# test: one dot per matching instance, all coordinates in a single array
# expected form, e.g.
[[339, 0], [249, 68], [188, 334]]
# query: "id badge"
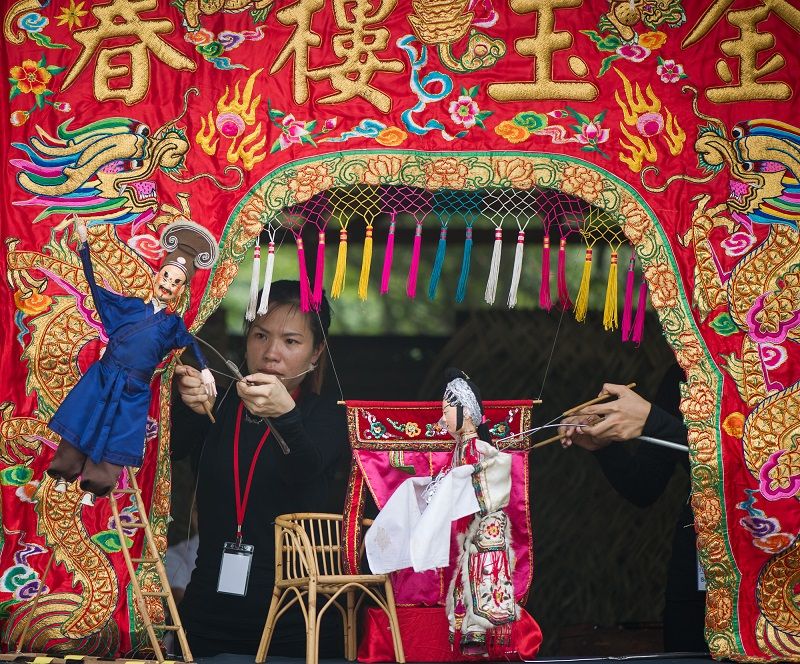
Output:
[[234, 571]]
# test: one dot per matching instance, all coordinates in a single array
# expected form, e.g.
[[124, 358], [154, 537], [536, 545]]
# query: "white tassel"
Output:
[[512, 293], [250, 314], [494, 268], [263, 304]]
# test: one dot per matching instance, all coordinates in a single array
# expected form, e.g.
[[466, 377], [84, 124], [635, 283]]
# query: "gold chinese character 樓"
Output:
[[747, 47], [120, 18], [541, 47], [356, 45]]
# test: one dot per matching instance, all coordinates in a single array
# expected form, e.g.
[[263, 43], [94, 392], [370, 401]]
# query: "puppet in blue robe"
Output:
[[102, 420]]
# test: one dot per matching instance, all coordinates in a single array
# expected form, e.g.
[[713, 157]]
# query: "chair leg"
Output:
[[393, 623], [269, 626], [350, 632], [312, 638]]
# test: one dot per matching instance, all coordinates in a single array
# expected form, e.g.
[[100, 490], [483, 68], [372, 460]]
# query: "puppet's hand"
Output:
[[189, 382], [80, 228], [208, 383]]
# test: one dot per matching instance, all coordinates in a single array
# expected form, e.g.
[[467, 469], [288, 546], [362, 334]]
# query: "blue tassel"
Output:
[[436, 273], [461, 291]]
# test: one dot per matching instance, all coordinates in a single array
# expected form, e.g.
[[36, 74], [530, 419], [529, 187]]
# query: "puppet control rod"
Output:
[[571, 411]]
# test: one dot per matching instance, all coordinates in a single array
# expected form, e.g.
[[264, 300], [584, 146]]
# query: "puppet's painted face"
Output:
[[449, 419], [169, 283], [281, 343]]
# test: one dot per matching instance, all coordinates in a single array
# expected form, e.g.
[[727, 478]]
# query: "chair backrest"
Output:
[[308, 545]]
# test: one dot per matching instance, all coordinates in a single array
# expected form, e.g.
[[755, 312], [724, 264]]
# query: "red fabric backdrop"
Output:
[[116, 108]]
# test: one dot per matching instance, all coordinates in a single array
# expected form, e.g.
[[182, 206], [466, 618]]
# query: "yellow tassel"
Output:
[[366, 262], [610, 309], [341, 265], [582, 303]]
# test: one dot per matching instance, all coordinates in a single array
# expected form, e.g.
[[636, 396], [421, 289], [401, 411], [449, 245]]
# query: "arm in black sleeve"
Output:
[[316, 433], [188, 429]]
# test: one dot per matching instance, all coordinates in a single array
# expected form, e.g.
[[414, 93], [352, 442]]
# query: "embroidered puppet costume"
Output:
[[414, 527], [102, 420]]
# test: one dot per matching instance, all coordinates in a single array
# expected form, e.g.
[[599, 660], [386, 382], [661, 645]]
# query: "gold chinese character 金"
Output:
[[747, 47]]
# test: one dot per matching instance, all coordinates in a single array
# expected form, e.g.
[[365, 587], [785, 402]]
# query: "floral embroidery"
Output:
[[733, 424], [380, 169], [295, 132], [446, 173], [663, 286], [616, 35], [582, 182], [587, 132], [669, 71], [32, 77], [515, 172], [738, 244], [464, 111], [309, 180], [72, 15], [33, 303]]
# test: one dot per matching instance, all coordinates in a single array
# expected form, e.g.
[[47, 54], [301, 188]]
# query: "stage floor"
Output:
[[663, 658]]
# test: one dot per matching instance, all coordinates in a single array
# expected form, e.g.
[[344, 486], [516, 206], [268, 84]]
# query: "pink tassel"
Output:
[[319, 273], [544, 291], [563, 294], [387, 258], [638, 324], [305, 288], [411, 284], [627, 311]]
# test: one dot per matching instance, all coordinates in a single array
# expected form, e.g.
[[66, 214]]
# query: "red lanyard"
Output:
[[241, 501]]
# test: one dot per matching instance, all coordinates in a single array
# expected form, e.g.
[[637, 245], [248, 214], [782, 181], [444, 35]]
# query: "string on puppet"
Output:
[[263, 303]]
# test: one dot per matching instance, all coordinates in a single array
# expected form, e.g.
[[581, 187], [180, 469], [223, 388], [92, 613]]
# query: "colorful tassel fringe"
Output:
[[461, 291], [366, 263], [263, 303], [563, 294], [494, 268], [252, 303], [627, 310], [319, 273], [515, 275], [582, 302], [641, 306], [411, 283], [610, 308], [341, 265], [544, 290], [305, 288], [438, 261], [387, 258]]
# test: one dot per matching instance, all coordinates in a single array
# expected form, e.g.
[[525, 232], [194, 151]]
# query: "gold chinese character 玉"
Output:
[[541, 47]]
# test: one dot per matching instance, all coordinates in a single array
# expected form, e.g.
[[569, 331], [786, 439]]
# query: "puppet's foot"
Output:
[[88, 499]]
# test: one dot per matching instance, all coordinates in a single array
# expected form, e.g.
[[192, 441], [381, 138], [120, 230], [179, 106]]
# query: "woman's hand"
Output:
[[192, 388], [620, 419], [265, 395]]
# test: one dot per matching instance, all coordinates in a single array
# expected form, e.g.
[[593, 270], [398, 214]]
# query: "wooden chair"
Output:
[[308, 564]]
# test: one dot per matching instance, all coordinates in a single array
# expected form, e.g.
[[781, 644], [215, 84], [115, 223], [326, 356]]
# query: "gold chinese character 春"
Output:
[[120, 18]]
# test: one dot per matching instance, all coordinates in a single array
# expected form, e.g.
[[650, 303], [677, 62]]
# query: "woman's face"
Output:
[[281, 343]]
